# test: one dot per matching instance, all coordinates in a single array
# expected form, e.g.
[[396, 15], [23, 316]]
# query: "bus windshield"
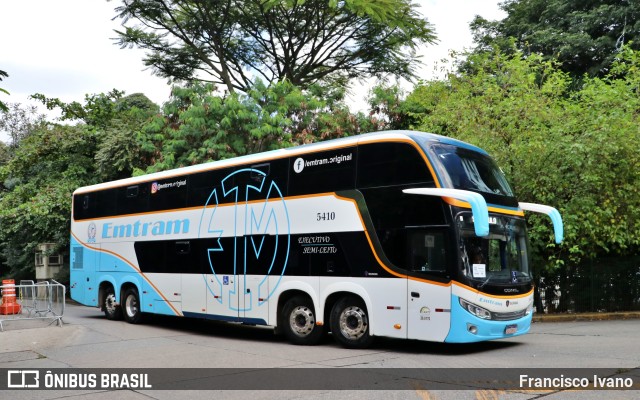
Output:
[[499, 258], [469, 170]]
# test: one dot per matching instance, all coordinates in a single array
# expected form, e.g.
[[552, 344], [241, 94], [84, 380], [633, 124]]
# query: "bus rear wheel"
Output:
[[299, 322], [112, 309], [131, 306], [350, 323]]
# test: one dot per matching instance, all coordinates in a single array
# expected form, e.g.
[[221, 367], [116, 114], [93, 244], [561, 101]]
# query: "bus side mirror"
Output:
[[558, 228], [478, 204]]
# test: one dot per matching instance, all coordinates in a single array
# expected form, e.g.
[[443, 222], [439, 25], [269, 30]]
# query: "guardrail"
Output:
[[33, 301]]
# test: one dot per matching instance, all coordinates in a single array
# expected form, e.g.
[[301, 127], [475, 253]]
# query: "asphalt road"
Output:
[[88, 340]]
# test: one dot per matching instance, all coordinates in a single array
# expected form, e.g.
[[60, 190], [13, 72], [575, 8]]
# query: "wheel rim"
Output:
[[110, 303], [302, 321], [353, 322], [131, 306]]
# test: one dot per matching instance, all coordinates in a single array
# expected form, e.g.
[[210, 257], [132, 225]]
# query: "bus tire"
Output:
[[131, 306], [112, 309], [350, 323], [299, 322]]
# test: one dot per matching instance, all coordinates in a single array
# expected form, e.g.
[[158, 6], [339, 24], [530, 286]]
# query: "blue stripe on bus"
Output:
[[226, 318], [487, 330], [152, 301]]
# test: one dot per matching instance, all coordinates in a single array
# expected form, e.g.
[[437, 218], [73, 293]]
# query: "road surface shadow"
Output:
[[232, 330]]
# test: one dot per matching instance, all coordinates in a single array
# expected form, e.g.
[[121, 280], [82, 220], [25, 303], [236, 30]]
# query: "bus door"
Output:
[[428, 297], [183, 254], [234, 291]]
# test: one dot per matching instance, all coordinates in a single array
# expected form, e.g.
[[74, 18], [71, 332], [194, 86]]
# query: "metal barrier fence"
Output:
[[32, 301]]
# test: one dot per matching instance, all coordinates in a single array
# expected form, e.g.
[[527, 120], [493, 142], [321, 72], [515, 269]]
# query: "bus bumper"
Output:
[[467, 328]]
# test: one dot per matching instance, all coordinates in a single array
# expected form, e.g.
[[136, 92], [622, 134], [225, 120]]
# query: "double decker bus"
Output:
[[399, 234]]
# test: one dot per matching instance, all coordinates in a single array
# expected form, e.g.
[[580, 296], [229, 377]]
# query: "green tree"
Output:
[[3, 106], [199, 125], [229, 43], [386, 108], [119, 151], [98, 109], [117, 121], [49, 163], [45, 169], [576, 151], [584, 36], [19, 121]]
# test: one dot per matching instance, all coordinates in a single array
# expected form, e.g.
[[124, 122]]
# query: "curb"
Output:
[[587, 317]]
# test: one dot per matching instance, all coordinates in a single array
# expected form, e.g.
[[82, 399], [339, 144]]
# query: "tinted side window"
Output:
[[426, 250], [106, 203], [85, 206], [133, 199], [95, 204], [385, 164], [326, 171], [397, 217], [202, 185], [262, 180], [390, 208]]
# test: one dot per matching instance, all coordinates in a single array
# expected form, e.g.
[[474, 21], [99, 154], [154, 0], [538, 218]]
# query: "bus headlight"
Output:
[[475, 310], [529, 309]]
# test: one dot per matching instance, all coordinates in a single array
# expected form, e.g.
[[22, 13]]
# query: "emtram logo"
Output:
[[91, 233]]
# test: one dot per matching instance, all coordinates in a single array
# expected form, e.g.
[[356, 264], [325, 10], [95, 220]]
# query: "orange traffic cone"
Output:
[[9, 304]]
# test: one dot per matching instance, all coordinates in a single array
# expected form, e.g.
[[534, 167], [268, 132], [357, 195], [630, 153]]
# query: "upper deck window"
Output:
[[469, 170], [391, 164]]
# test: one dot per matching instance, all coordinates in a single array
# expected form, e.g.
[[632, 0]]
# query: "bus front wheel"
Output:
[[131, 306], [350, 323], [299, 321], [112, 309]]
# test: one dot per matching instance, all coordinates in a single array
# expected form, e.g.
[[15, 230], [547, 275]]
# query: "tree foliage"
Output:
[[117, 120], [229, 43], [19, 121], [584, 36], [97, 110], [3, 106], [198, 125], [50, 161], [45, 169], [574, 150]]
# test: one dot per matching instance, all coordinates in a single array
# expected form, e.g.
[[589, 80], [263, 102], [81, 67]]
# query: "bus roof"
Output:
[[392, 135]]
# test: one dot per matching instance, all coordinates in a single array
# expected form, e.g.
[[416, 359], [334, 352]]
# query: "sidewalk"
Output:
[[586, 316]]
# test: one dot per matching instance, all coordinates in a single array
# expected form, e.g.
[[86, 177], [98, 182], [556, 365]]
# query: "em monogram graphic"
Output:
[[248, 218]]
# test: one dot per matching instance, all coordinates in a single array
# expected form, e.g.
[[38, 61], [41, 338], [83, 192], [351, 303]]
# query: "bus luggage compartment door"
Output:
[[429, 311]]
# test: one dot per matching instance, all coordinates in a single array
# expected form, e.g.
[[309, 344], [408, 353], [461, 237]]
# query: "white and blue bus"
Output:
[[399, 234]]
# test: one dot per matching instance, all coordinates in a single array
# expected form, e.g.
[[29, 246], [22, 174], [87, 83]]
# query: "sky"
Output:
[[65, 48]]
